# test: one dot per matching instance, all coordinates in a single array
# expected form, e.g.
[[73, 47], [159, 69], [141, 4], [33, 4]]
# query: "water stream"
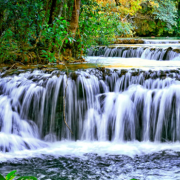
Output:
[[143, 52], [124, 115]]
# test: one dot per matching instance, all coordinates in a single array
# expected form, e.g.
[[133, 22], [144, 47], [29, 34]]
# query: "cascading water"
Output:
[[125, 122], [151, 53], [150, 41], [105, 105]]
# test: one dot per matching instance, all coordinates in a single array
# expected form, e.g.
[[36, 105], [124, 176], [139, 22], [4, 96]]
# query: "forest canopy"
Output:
[[52, 30]]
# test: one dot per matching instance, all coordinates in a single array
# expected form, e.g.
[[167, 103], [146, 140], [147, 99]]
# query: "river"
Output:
[[123, 107]]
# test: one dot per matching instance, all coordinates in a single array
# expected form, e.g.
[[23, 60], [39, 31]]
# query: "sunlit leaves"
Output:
[[148, 16], [156, 17]]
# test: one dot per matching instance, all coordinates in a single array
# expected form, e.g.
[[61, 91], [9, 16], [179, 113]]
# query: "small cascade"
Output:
[[149, 41], [101, 104], [150, 53]]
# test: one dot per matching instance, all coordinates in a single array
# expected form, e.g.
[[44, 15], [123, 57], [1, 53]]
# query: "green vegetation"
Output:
[[62, 30], [157, 19], [12, 175]]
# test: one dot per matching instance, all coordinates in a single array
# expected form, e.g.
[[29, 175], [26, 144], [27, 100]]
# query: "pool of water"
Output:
[[116, 62], [97, 160]]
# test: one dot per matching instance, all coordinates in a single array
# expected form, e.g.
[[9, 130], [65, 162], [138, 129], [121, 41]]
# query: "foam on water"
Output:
[[120, 119], [80, 148], [132, 113], [97, 119], [144, 52]]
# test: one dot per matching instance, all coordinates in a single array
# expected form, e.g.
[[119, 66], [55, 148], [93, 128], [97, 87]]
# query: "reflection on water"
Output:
[[116, 62]]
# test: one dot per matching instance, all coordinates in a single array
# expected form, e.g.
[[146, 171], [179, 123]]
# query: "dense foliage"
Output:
[[149, 17], [52, 30], [156, 18]]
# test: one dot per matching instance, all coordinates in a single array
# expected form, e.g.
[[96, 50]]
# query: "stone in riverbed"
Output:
[[129, 41], [123, 71]]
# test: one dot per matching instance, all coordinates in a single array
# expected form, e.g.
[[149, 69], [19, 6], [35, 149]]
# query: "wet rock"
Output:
[[153, 49], [74, 76], [47, 70], [150, 71], [108, 71], [101, 69], [135, 73], [129, 41], [124, 71], [146, 75], [174, 71], [116, 70], [40, 67], [171, 75], [177, 79], [162, 74], [140, 41], [10, 73], [176, 50], [154, 75], [167, 51], [166, 71]]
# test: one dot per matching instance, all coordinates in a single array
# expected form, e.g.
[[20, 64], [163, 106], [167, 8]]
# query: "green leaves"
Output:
[[12, 175], [156, 18], [2, 178], [99, 25], [50, 56]]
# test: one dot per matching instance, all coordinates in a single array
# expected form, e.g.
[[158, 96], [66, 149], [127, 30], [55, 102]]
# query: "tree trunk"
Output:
[[117, 2], [75, 17], [56, 10], [52, 11], [1, 22], [74, 23]]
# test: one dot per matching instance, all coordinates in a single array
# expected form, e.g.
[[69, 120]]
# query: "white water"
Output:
[[118, 63], [131, 112], [144, 52], [80, 148], [156, 41], [117, 106]]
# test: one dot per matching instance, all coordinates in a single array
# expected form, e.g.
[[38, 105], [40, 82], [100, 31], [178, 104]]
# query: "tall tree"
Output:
[[75, 17], [73, 26], [52, 11]]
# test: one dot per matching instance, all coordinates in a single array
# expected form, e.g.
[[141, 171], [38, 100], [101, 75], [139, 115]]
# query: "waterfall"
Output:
[[101, 105], [148, 41], [137, 52]]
